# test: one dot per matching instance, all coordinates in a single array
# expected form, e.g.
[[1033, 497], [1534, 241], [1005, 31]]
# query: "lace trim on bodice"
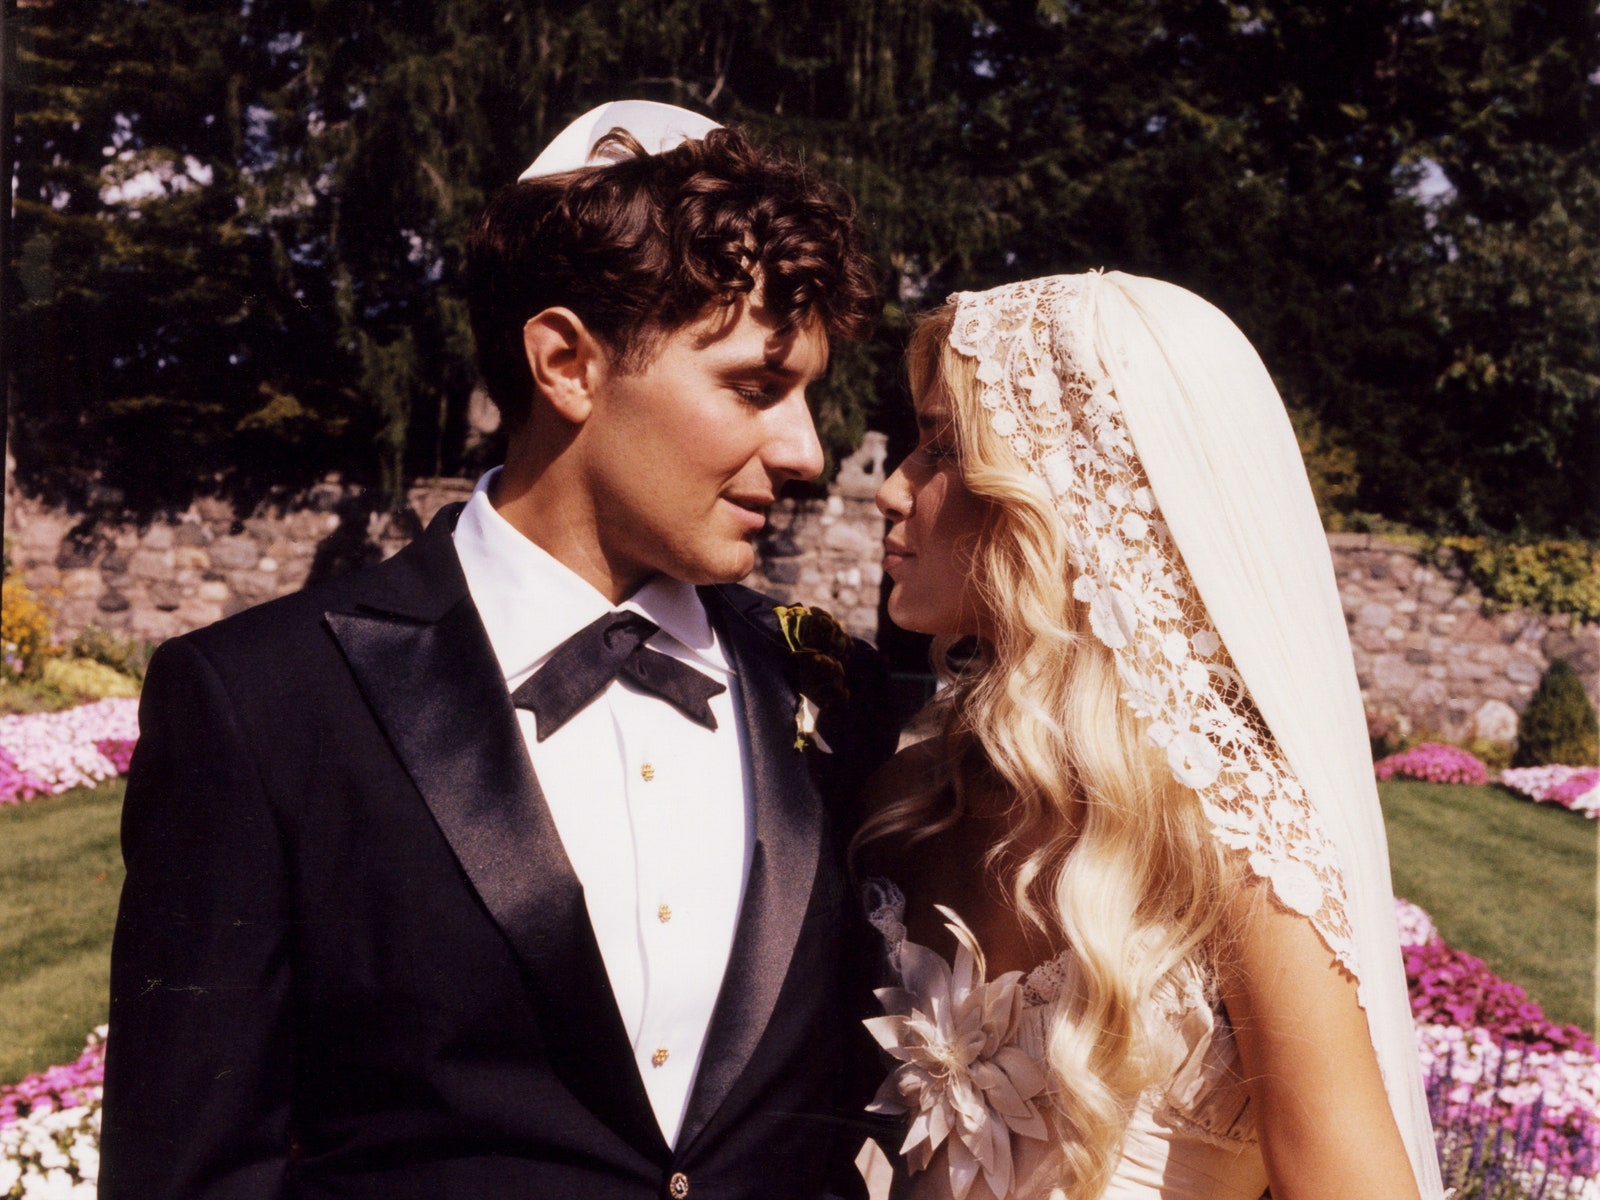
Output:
[[886, 910], [1201, 1096]]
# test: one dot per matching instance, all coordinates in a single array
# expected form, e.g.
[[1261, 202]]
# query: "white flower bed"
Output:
[[52, 1155], [1577, 788], [53, 752]]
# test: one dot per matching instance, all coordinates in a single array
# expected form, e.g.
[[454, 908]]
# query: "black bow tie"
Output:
[[584, 664]]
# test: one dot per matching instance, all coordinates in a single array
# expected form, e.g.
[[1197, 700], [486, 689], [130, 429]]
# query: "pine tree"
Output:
[[283, 297]]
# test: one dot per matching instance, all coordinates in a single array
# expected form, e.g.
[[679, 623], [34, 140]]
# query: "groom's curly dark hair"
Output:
[[642, 246]]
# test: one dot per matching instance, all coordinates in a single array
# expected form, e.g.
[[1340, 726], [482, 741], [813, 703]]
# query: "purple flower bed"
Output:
[[1433, 762], [1577, 788], [1511, 1092]]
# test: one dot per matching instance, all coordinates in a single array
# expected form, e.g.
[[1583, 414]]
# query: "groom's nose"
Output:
[[792, 450]]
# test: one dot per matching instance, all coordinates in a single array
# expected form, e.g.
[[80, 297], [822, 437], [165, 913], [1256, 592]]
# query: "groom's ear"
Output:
[[566, 360]]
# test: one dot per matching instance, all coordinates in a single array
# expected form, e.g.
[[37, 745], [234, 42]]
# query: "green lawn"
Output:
[[1509, 881], [60, 875]]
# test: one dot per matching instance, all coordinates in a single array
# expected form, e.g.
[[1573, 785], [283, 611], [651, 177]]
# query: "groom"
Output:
[[512, 866]]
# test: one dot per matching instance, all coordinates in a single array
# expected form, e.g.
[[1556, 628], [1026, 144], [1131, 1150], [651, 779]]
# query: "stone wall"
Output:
[[829, 553], [171, 576], [1426, 652]]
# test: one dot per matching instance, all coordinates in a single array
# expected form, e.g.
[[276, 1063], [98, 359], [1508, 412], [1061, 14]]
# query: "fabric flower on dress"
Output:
[[962, 1078]]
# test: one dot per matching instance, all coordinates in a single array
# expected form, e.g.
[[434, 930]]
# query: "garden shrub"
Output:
[[1388, 734], [125, 655], [27, 631], [1552, 577], [1330, 464], [1559, 725], [90, 679], [1493, 754], [19, 696]]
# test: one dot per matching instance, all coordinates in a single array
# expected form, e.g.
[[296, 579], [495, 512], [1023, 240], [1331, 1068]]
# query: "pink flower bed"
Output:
[[58, 1088], [1577, 788], [1433, 762], [16, 785], [48, 753], [1416, 926], [1496, 1065], [117, 751]]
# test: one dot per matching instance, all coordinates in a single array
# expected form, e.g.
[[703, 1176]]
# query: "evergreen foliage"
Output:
[[237, 230], [1559, 725]]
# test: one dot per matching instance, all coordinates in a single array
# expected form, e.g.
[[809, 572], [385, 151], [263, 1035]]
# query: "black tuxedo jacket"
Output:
[[352, 959]]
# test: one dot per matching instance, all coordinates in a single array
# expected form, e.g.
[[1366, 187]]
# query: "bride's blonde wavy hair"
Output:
[[1102, 851]]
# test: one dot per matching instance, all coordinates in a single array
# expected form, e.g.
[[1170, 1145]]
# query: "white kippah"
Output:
[[656, 127]]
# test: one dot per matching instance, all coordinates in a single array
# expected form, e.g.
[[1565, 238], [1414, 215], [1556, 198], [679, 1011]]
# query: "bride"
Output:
[[1136, 887]]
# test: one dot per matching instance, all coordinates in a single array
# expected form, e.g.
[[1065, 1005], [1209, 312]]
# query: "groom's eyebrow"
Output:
[[772, 365], [776, 367], [774, 372]]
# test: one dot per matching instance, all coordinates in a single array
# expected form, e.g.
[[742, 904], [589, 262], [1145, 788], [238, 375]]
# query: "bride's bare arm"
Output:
[[1327, 1131]]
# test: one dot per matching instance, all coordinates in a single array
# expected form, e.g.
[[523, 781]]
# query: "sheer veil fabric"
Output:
[[1158, 433]]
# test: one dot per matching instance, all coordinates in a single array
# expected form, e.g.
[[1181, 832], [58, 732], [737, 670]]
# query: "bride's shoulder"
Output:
[[916, 770]]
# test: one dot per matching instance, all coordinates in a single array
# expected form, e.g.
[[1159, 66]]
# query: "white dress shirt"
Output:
[[653, 809]]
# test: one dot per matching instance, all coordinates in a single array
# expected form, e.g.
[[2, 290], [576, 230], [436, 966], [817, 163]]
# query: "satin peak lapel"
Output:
[[788, 840], [434, 685]]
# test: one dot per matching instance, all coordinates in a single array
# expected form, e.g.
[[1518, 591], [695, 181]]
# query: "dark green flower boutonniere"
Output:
[[819, 649]]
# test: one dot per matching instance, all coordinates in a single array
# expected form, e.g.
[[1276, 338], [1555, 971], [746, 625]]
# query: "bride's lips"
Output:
[[894, 555]]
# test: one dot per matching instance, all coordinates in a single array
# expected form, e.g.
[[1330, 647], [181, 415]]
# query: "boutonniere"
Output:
[[819, 648]]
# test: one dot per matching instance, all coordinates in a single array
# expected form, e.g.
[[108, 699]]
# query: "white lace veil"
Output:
[[1199, 553]]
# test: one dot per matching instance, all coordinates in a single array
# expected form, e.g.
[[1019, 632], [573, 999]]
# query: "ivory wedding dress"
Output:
[[1191, 1138]]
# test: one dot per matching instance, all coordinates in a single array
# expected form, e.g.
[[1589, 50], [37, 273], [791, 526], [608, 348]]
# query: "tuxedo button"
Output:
[[647, 772], [659, 1058], [664, 913], [678, 1186]]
